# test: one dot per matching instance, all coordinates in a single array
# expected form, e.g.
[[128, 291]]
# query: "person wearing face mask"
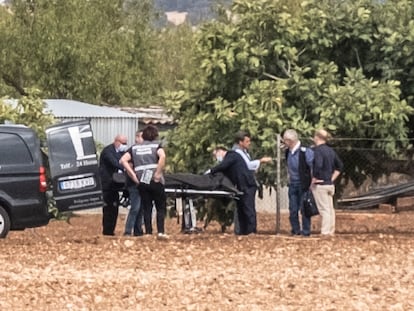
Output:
[[108, 165], [232, 165]]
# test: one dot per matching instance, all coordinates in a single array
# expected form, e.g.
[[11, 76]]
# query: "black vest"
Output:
[[144, 157], [305, 173]]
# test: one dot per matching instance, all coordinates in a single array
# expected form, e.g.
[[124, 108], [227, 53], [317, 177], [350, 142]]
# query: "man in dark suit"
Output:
[[235, 168], [108, 165]]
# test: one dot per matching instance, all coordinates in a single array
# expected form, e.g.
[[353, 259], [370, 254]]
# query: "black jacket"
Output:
[[109, 164], [325, 163], [235, 168], [305, 173]]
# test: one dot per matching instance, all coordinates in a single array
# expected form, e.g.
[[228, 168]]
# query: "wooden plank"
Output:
[[386, 208], [405, 204]]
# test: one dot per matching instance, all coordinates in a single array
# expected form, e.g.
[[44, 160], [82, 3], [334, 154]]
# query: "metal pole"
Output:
[[278, 187]]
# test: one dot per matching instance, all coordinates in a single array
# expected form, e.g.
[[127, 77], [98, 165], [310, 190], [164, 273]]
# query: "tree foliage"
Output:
[[96, 51], [274, 65], [174, 55], [28, 110]]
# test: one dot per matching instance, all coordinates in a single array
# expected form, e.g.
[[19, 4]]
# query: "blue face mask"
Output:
[[219, 158], [122, 148]]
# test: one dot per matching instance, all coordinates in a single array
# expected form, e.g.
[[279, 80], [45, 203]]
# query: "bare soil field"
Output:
[[368, 265]]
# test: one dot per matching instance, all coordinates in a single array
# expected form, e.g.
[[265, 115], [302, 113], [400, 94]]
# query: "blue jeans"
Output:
[[134, 219], [295, 205]]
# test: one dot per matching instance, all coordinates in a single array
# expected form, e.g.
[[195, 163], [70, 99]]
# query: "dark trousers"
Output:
[[246, 211], [295, 193], [154, 192], [110, 212]]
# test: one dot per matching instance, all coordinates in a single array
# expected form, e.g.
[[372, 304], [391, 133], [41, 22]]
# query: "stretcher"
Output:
[[185, 188]]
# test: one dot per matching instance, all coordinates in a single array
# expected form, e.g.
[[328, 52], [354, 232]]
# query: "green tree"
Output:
[[174, 55], [96, 51], [29, 110]]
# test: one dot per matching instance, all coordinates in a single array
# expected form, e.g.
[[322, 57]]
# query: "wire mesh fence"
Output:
[[371, 175]]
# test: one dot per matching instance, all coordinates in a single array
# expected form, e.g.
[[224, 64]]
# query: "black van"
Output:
[[23, 182], [73, 167]]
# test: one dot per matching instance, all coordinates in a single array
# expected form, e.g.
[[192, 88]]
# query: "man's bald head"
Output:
[[120, 139], [321, 136]]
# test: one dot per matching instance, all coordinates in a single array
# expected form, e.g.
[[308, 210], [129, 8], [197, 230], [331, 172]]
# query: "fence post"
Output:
[[278, 188]]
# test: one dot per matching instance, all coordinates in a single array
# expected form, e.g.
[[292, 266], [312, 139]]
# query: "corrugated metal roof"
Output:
[[76, 109], [150, 115]]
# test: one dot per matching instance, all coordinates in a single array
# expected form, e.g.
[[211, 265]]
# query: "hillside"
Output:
[[198, 10]]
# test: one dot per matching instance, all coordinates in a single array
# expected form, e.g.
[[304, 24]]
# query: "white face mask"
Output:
[[122, 148], [219, 158]]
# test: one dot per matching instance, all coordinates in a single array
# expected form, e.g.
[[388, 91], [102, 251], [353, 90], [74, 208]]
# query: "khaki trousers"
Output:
[[323, 195]]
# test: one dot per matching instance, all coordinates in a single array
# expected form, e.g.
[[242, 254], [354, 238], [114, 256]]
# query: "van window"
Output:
[[13, 150]]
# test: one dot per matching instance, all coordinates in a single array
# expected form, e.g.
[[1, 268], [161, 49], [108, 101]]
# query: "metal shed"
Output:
[[106, 122], [154, 115]]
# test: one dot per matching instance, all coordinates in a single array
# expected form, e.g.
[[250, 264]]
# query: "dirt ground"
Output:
[[368, 265]]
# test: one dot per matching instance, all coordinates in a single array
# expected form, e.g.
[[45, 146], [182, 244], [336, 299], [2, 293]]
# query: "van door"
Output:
[[74, 166]]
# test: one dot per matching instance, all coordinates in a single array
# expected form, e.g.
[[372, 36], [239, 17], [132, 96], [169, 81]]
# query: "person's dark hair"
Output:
[[150, 133], [240, 135]]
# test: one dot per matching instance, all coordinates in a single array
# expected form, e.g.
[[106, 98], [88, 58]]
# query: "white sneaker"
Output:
[[163, 236]]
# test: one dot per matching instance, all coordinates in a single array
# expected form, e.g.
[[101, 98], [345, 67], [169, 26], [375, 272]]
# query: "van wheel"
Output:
[[4, 223]]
